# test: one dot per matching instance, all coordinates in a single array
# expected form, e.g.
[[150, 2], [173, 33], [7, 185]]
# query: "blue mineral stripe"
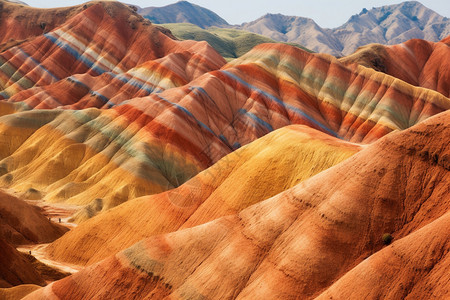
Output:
[[275, 99], [256, 118]]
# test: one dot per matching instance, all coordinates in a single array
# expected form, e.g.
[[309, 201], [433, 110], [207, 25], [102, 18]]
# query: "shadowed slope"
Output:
[[21, 223], [151, 144], [258, 171], [417, 62], [15, 269], [295, 244], [17, 292]]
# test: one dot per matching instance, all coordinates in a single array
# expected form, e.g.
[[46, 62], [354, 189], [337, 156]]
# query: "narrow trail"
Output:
[[59, 213], [38, 251]]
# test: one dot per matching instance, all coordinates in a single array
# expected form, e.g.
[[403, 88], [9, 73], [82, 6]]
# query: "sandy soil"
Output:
[[38, 251], [57, 211]]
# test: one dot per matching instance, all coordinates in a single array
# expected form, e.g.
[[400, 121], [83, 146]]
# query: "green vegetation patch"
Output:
[[230, 43]]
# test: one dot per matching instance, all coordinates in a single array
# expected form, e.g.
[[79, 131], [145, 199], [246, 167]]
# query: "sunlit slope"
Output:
[[150, 144], [82, 91], [415, 267], [418, 62], [258, 171], [299, 242], [105, 38], [19, 23]]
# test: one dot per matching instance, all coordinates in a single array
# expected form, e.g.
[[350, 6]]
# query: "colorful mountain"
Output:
[[19, 23], [279, 174], [417, 62], [298, 243], [253, 173], [150, 144], [83, 46]]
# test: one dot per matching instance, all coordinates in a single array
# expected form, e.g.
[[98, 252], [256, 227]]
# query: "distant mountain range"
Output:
[[182, 12], [391, 24]]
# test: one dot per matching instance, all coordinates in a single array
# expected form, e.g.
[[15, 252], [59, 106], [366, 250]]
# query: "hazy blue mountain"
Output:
[[390, 24], [182, 12]]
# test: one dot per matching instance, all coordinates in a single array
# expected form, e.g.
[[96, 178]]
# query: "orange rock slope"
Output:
[[146, 145], [20, 22], [300, 242], [418, 62], [273, 176], [15, 269], [260, 170], [17, 292], [21, 223]]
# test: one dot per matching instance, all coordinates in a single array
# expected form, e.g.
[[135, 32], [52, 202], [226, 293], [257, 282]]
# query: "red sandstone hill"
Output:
[[151, 144], [418, 62], [19, 22], [247, 175], [253, 173], [139, 113], [101, 37], [302, 241]]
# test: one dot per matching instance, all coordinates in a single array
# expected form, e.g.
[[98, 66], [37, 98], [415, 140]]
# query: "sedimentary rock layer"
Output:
[[154, 143], [301, 241], [260, 170]]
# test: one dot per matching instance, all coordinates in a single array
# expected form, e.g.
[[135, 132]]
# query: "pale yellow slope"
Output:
[[251, 174]]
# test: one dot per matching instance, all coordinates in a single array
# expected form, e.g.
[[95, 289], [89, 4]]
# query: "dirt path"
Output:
[[38, 251], [57, 212]]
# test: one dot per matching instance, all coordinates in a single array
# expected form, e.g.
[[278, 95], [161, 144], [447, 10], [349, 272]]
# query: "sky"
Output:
[[326, 13]]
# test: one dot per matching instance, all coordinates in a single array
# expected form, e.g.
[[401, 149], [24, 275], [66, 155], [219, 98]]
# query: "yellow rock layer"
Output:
[[249, 175]]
